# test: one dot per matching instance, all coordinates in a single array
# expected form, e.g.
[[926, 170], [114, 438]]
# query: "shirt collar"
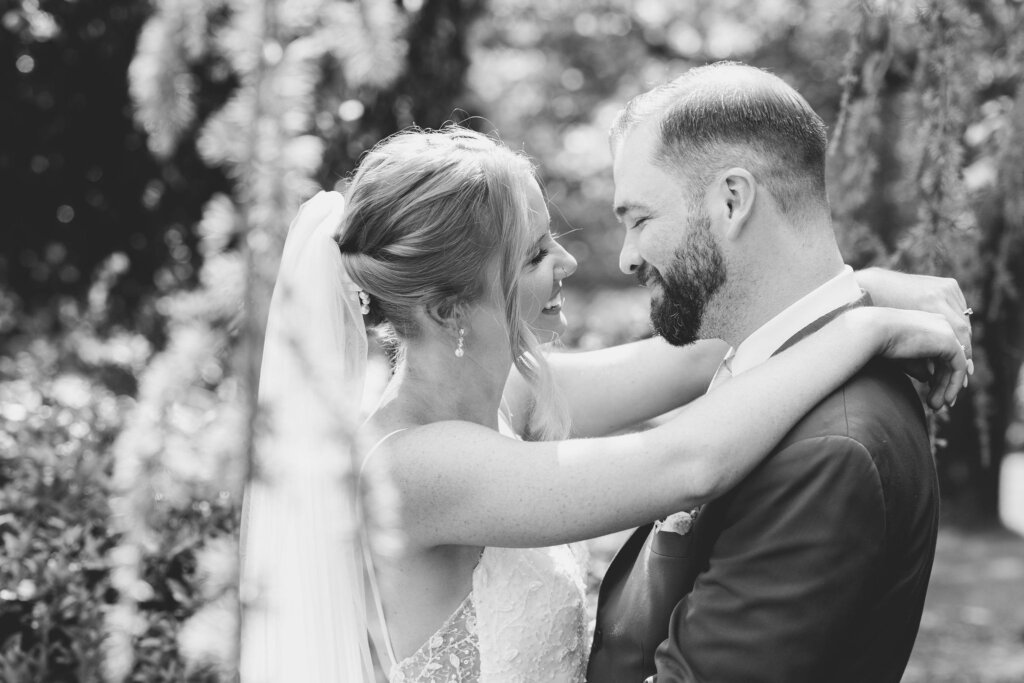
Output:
[[766, 340]]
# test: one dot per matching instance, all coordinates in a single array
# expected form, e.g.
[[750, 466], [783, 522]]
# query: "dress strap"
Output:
[[373, 449], [371, 573], [371, 577]]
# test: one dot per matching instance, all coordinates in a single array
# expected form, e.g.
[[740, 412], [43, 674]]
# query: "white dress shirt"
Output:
[[766, 340]]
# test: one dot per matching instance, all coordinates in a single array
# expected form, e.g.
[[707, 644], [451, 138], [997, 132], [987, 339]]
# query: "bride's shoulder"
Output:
[[396, 443]]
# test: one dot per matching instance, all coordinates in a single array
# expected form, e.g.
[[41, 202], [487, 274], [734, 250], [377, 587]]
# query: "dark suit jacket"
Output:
[[814, 568]]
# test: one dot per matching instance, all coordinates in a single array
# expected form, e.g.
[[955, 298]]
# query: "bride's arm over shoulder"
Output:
[[610, 389], [461, 483], [941, 295]]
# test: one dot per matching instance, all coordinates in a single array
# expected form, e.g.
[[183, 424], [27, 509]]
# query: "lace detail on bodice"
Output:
[[451, 655], [525, 621], [532, 615]]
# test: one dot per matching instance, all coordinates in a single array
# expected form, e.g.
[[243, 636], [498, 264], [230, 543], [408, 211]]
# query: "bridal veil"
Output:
[[304, 607]]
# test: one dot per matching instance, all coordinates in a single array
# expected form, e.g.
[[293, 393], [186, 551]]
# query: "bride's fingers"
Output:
[[948, 379], [930, 338], [938, 385], [957, 379], [918, 369]]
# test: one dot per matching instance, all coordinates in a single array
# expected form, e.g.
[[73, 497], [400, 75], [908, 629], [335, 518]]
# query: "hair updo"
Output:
[[427, 215]]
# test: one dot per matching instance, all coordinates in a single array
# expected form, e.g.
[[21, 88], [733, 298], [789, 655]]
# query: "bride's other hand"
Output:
[[941, 295], [909, 335]]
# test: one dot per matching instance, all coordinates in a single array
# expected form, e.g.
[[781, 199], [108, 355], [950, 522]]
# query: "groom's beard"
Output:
[[688, 283]]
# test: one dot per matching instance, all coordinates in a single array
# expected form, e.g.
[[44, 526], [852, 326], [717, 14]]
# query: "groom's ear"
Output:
[[737, 191]]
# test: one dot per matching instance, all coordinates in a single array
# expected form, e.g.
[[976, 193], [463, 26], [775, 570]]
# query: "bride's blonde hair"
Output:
[[428, 212]]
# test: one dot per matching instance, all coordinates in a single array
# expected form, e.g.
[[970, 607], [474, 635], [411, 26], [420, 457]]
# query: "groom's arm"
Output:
[[799, 544]]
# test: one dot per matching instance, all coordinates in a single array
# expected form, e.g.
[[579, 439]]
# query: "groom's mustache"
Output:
[[645, 274]]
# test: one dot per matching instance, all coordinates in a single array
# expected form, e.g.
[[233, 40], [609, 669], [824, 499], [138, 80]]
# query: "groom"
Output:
[[815, 567]]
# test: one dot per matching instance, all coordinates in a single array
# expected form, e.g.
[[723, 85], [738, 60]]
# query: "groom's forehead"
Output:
[[636, 191], [641, 141], [637, 176]]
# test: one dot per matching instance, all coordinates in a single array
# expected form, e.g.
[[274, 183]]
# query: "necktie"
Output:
[[681, 522]]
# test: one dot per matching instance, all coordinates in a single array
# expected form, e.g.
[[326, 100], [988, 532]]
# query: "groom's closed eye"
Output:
[[624, 211]]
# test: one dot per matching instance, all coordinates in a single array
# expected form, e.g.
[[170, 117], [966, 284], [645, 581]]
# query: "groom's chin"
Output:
[[667, 325], [677, 337]]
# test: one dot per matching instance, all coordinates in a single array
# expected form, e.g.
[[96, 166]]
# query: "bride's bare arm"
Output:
[[460, 483], [610, 389]]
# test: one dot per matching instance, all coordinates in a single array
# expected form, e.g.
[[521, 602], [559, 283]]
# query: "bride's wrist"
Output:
[[872, 280], [872, 325]]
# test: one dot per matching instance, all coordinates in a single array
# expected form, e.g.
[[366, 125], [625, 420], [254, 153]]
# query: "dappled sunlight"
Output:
[[163, 148]]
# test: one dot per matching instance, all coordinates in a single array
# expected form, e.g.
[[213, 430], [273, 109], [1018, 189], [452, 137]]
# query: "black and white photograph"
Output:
[[512, 341]]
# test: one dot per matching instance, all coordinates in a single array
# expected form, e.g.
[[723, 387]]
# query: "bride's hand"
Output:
[[940, 295], [916, 335]]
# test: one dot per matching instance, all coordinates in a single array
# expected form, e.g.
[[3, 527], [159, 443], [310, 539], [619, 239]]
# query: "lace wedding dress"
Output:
[[524, 621]]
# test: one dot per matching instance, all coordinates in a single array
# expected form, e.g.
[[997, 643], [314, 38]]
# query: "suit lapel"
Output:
[[624, 559]]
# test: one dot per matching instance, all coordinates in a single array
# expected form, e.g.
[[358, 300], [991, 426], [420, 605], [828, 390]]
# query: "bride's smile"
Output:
[[547, 264]]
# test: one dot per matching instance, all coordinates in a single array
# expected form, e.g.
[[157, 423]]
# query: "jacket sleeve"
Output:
[[800, 539]]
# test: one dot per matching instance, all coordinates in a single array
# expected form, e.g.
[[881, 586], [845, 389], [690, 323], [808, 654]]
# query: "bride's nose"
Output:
[[566, 265]]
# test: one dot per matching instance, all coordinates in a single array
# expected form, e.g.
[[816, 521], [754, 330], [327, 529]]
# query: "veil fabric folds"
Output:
[[302, 586]]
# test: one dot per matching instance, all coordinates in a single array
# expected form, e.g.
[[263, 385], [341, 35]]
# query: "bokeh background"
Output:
[[152, 153]]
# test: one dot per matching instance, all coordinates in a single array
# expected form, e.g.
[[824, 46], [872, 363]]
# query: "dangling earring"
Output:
[[364, 299], [460, 350]]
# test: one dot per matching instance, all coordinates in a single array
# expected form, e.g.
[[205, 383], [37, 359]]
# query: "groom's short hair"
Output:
[[729, 114]]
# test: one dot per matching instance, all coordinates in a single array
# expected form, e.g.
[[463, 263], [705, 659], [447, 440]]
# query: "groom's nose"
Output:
[[629, 257]]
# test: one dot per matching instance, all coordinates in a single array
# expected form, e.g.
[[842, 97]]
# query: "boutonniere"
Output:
[[679, 523]]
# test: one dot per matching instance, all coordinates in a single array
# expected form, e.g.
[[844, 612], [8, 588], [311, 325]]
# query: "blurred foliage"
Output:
[[155, 151], [64, 398], [79, 181], [928, 177], [187, 438], [56, 426]]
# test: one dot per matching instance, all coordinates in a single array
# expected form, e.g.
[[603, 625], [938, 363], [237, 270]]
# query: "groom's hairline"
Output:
[[658, 106]]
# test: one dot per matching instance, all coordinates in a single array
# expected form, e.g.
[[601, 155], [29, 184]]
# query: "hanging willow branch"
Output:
[[959, 55], [947, 227], [853, 155], [187, 442]]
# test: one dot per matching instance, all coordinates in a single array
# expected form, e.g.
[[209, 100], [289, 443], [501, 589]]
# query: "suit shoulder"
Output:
[[869, 408]]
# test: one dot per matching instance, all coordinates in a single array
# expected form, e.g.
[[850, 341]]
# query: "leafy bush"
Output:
[[90, 589], [56, 427]]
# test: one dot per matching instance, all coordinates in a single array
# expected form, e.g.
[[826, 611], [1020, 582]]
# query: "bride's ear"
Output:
[[448, 315]]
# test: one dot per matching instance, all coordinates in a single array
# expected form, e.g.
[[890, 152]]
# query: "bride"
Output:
[[469, 482]]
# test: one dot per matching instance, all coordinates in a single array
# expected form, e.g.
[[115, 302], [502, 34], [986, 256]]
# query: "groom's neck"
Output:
[[751, 299]]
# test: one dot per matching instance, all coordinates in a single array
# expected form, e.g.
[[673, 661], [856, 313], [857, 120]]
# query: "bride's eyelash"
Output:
[[539, 257]]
